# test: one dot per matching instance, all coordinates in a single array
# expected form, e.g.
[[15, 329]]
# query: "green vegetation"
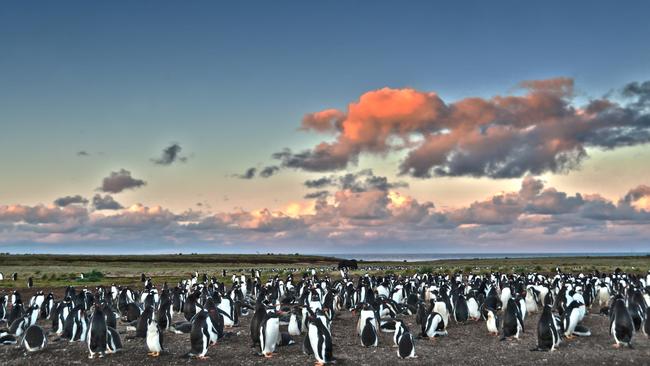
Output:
[[63, 270]]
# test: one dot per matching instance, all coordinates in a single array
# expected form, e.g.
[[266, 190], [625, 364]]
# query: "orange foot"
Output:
[[268, 355], [203, 357], [616, 345]]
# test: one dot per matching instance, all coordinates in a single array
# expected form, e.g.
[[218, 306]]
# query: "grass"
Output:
[[63, 270]]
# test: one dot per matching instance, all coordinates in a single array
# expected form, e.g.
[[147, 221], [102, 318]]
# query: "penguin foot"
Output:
[[268, 355], [202, 357], [616, 345]]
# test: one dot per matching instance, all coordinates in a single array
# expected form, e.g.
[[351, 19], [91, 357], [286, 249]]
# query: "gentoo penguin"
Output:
[[621, 324], [512, 322], [113, 341], [200, 335], [14, 276], [154, 338], [30, 282], [143, 322], [256, 321], [571, 319], [461, 311], [369, 336], [35, 338], [646, 325], [404, 341], [269, 334], [294, 327], [493, 322], [473, 308], [548, 335], [97, 334], [532, 300], [433, 326], [320, 337], [3, 308]]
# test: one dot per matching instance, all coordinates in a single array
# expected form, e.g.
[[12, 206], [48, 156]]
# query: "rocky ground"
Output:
[[467, 344]]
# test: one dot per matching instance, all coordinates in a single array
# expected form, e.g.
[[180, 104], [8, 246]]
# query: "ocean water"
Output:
[[418, 257]]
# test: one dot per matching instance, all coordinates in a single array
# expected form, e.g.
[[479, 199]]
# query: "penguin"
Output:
[[433, 326], [97, 334], [461, 310], [320, 337], [493, 322], [548, 335], [143, 322], [199, 336], [30, 282], [35, 338], [369, 336], [473, 311], [646, 324], [294, 327], [14, 276], [621, 325], [403, 340], [269, 334], [164, 315], [7, 339], [3, 308], [571, 318], [512, 322], [154, 338], [256, 321], [113, 341]]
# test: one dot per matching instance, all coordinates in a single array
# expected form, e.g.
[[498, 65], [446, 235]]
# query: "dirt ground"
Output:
[[467, 344]]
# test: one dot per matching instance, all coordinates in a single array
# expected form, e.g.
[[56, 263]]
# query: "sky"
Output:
[[324, 127]]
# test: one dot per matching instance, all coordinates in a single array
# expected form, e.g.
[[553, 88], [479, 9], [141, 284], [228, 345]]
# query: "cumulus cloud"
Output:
[[170, 155], [118, 181], [106, 203], [69, 200], [539, 131]]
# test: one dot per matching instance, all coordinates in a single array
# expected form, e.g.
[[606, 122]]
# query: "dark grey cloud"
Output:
[[317, 195], [83, 153], [106, 203], [170, 155], [269, 171], [118, 181], [68, 200], [248, 174], [361, 181], [321, 159]]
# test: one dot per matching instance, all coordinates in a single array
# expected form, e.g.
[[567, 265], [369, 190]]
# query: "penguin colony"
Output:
[[208, 309]]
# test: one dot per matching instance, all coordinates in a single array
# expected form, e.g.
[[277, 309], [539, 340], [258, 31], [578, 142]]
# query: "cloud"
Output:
[[106, 203], [269, 171], [357, 209], [82, 153], [317, 195], [539, 131], [170, 155], [361, 181], [68, 200], [118, 181], [248, 174]]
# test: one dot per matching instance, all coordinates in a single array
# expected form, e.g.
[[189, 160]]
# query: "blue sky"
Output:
[[231, 82]]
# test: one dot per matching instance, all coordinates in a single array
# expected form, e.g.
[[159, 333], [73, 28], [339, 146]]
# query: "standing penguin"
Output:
[[269, 334], [30, 282], [34, 339], [621, 324], [369, 336], [461, 310], [294, 327], [404, 341], [97, 334], [321, 339], [512, 322], [113, 341], [199, 336], [154, 338], [493, 322], [548, 335]]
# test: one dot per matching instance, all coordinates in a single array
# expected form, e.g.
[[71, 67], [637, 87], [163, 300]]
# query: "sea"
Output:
[[419, 257]]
